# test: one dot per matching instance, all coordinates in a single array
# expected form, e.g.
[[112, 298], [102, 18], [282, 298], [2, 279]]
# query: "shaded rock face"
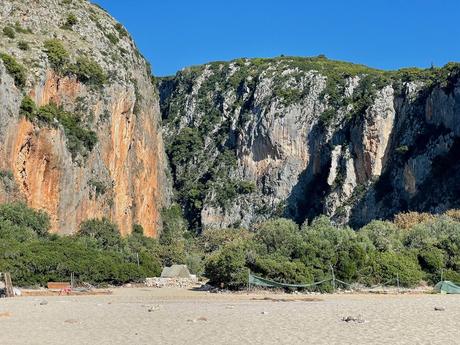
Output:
[[310, 136], [123, 175]]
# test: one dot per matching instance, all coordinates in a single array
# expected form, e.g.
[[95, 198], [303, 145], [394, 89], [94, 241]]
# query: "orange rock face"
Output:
[[107, 88], [127, 158], [36, 168]]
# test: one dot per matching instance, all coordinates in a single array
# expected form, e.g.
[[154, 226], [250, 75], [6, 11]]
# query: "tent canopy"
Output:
[[447, 287], [176, 271]]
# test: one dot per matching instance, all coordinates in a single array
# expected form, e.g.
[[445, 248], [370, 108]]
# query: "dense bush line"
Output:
[[415, 247], [96, 254]]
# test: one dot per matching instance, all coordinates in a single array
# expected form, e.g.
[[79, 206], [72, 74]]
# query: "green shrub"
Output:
[[246, 187], [19, 29], [28, 108], [57, 54], [88, 71], [70, 21], [185, 146], [48, 112], [212, 240], [283, 270], [112, 38], [384, 236], [121, 30], [9, 32], [279, 236], [23, 45], [23, 216], [99, 187], [228, 266], [172, 237], [402, 150], [80, 140], [388, 266], [16, 70], [103, 231]]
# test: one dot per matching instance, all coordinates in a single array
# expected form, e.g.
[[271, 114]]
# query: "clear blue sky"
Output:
[[386, 34]]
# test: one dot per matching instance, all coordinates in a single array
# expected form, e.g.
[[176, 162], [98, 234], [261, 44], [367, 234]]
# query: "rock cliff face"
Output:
[[79, 117], [297, 137]]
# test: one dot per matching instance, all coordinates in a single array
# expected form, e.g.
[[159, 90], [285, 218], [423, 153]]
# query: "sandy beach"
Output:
[[175, 316]]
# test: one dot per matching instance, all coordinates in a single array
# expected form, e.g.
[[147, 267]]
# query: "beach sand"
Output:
[[175, 316]]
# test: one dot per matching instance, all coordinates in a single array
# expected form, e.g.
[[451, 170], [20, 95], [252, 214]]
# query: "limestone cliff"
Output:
[[297, 137], [79, 117]]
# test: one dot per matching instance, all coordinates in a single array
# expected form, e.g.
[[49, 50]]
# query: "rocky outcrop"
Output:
[[46, 164], [298, 137]]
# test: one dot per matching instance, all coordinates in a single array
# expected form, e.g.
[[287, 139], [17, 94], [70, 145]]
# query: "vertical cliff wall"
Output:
[[298, 137], [79, 117]]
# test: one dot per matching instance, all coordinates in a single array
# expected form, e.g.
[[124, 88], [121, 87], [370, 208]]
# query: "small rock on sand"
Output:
[[358, 319], [201, 318], [153, 308], [43, 302], [264, 312], [439, 308], [71, 321]]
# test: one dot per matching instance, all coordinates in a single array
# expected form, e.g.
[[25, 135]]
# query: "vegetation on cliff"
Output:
[[80, 139], [233, 123]]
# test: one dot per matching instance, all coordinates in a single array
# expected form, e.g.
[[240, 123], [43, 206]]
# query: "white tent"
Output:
[[176, 271]]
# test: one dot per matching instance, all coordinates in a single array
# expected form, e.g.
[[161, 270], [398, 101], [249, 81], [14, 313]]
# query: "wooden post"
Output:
[[8, 285], [249, 279], [333, 278], [397, 280]]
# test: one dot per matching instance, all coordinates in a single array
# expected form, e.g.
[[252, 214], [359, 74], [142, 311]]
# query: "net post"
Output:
[[249, 279], [333, 277], [442, 273], [397, 280]]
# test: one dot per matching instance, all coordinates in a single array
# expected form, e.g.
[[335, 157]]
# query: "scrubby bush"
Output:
[[28, 108], [88, 71], [9, 32], [80, 140], [23, 45], [112, 38], [70, 21], [228, 266], [121, 30], [16, 70], [57, 54], [387, 267], [23, 216], [454, 214], [408, 219], [282, 269], [106, 233], [19, 29], [280, 236], [384, 236]]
